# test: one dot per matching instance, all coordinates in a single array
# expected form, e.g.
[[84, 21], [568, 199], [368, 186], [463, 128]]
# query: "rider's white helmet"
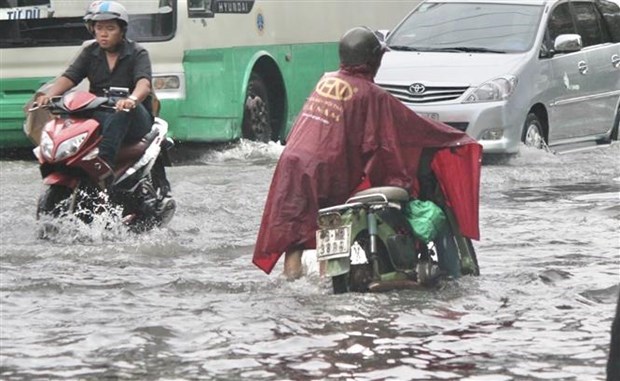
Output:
[[90, 11], [111, 10]]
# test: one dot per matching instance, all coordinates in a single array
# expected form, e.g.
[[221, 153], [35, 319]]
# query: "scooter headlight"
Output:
[[70, 146], [498, 89], [47, 145]]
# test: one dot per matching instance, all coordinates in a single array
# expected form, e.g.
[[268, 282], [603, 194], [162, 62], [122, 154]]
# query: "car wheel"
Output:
[[257, 123], [532, 132]]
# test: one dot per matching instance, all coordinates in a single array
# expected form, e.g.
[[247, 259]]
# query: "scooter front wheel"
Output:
[[54, 201]]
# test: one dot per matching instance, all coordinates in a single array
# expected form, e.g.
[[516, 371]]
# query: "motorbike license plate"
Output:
[[429, 115], [333, 243]]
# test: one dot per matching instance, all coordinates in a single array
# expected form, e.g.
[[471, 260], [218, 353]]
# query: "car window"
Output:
[[611, 17], [560, 22], [589, 24]]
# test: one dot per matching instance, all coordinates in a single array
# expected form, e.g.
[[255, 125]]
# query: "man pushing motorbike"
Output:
[[112, 61], [351, 133]]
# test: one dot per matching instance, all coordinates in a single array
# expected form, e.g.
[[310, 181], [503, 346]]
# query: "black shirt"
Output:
[[133, 64]]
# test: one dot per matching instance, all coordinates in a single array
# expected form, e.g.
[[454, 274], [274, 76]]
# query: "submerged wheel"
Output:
[[82, 202], [360, 276], [456, 255], [54, 201], [356, 280], [340, 284], [474, 257], [533, 132], [257, 119]]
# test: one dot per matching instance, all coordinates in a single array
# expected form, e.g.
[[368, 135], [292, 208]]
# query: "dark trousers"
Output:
[[119, 127]]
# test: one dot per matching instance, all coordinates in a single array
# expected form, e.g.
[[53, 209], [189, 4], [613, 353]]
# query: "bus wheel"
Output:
[[256, 113]]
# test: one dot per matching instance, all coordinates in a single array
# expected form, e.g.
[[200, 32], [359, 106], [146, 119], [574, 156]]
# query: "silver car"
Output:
[[542, 72]]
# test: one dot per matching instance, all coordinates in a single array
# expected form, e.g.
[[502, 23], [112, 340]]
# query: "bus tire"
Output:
[[257, 123]]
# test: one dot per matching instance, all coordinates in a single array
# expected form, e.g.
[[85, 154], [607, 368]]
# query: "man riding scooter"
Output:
[[351, 133], [113, 61]]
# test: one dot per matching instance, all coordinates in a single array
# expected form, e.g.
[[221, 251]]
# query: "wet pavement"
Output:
[[185, 302]]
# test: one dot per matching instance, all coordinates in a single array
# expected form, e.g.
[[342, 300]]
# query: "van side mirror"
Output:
[[382, 34], [567, 43]]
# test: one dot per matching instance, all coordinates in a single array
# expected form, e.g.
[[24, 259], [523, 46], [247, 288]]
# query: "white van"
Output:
[[542, 72]]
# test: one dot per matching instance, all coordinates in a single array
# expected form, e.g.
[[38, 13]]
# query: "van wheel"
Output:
[[532, 132], [256, 111]]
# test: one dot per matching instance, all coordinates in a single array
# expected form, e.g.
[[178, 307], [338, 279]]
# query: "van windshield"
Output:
[[468, 27]]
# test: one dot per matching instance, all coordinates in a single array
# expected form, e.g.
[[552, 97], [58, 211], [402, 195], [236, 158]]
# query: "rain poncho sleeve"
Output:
[[348, 131]]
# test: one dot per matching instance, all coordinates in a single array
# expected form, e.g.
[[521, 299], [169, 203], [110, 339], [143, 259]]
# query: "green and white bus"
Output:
[[223, 69]]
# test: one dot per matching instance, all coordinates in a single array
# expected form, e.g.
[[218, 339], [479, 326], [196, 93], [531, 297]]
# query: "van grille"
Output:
[[458, 125], [431, 94]]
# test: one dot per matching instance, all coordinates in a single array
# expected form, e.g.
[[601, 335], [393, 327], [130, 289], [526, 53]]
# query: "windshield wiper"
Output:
[[405, 48], [468, 49]]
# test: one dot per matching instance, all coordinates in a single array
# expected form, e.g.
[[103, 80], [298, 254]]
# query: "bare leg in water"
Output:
[[292, 264]]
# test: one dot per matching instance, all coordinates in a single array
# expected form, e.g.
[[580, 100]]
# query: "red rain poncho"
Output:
[[351, 130]]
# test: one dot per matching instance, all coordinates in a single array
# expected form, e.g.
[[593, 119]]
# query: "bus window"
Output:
[[39, 24], [154, 26], [199, 8], [22, 3]]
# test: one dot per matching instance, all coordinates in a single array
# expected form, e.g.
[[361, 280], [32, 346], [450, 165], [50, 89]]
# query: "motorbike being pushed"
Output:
[[369, 244], [76, 177]]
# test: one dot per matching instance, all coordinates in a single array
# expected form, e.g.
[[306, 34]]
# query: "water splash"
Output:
[[247, 151]]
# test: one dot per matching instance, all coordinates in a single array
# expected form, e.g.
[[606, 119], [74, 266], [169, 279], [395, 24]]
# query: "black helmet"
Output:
[[359, 46]]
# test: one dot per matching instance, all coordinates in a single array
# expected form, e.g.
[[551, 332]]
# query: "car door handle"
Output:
[[615, 61], [583, 67]]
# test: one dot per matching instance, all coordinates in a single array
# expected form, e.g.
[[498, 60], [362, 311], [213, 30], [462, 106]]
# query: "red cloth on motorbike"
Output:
[[351, 130]]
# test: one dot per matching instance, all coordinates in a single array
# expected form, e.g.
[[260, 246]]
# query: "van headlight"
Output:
[[497, 89]]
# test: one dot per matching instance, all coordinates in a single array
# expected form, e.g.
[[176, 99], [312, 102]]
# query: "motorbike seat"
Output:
[[130, 153], [393, 194]]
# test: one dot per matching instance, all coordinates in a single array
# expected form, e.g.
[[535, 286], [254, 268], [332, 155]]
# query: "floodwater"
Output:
[[185, 302]]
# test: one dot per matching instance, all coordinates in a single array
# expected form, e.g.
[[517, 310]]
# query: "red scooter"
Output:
[[77, 179]]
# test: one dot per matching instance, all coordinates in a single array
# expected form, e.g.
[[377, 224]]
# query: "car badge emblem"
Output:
[[417, 88]]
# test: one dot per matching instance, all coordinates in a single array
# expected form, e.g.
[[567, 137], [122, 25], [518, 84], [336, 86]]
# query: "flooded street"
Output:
[[185, 302]]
